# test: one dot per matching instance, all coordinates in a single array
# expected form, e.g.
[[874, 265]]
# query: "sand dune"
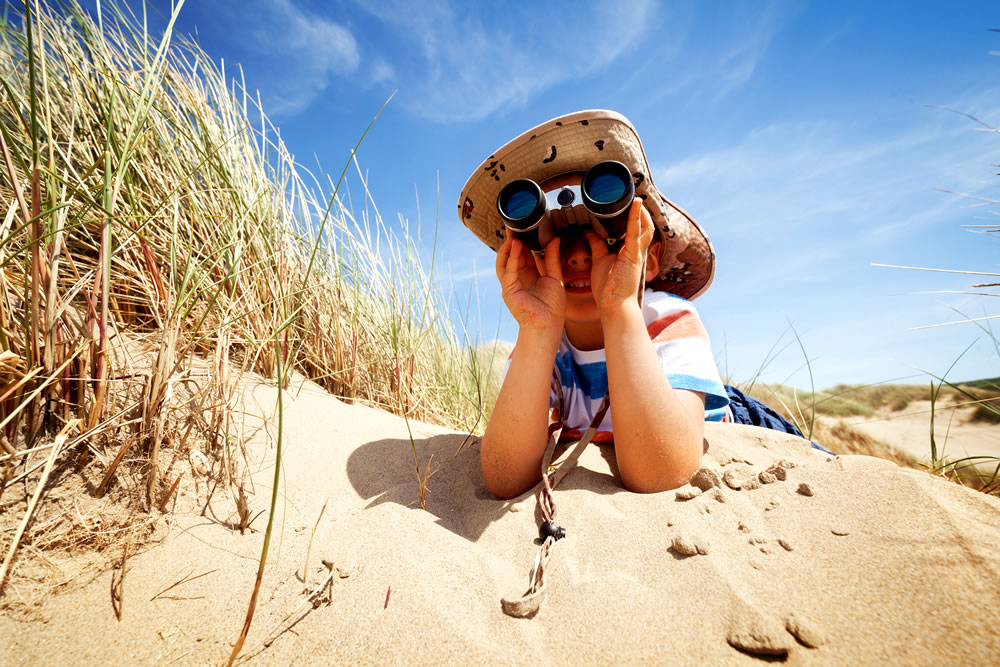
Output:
[[845, 559], [956, 435]]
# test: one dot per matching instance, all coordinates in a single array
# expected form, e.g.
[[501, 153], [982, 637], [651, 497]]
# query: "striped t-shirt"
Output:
[[682, 346]]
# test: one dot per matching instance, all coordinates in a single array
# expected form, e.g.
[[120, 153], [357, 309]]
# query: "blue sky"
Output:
[[798, 134]]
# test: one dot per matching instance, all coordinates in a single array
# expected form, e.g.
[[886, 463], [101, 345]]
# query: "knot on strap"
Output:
[[527, 605]]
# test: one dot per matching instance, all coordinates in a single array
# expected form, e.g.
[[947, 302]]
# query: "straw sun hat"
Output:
[[574, 143]]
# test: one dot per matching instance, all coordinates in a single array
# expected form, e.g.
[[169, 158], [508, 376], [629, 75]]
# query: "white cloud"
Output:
[[463, 67], [295, 52], [382, 72], [722, 61]]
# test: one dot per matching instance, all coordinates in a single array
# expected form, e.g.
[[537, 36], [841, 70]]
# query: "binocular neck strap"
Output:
[[531, 601]]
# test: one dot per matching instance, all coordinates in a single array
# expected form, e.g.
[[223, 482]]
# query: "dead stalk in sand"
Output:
[[118, 585], [310, 599], [8, 462], [305, 566], [170, 493], [183, 580], [53, 455]]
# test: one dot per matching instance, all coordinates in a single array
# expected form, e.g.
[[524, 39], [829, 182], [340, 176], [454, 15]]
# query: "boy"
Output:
[[583, 318]]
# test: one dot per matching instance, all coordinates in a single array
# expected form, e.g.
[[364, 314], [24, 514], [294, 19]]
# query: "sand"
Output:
[[833, 560], [955, 434]]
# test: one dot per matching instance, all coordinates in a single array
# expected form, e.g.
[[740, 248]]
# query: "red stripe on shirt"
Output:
[[601, 437], [684, 324]]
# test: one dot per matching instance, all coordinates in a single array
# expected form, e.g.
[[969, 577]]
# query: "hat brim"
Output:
[[574, 143]]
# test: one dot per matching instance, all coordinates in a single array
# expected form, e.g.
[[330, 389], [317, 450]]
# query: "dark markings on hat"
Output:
[[600, 144], [467, 207], [532, 137], [499, 233], [493, 165], [585, 122], [642, 196], [669, 232], [638, 178], [558, 123], [551, 157], [678, 274]]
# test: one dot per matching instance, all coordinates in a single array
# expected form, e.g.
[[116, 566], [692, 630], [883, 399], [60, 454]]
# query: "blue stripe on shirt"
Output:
[[592, 379], [715, 393]]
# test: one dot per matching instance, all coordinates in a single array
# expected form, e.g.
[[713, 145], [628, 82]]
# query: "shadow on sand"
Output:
[[384, 471]]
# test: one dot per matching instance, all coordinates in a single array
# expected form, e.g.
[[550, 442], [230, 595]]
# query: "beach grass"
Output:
[[158, 240]]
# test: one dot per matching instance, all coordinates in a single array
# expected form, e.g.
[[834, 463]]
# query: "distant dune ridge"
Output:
[[821, 559]]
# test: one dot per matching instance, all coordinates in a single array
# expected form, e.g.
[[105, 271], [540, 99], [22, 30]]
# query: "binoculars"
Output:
[[600, 204]]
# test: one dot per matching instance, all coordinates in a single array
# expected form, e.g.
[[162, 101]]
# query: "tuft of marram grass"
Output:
[[154, 221]]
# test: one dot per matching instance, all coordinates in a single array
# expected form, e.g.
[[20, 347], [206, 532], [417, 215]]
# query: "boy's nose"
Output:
[[576, 254]]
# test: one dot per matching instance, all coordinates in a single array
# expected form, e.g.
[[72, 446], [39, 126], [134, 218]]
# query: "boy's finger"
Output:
[[503, 256], [632, 232], [598, 246], [514, 263], [647, 229], [553, 262], [539, 263]]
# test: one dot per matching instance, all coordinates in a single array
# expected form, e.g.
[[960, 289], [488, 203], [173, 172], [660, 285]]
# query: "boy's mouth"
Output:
[[578, 285]]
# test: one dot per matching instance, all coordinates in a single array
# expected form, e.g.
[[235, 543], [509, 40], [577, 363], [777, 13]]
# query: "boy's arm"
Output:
[[658, 429], [515, 439]]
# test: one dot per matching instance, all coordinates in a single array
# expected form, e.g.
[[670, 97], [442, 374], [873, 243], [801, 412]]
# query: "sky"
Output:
[[811, 140]]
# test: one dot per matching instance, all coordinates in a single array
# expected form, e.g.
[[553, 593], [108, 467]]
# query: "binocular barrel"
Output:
[[607, 191]]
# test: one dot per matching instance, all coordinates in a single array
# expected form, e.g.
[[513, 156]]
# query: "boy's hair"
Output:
[[574, 143]]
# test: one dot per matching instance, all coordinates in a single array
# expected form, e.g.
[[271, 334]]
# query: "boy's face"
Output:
[[576, 265], [576, 261], [574, 253]]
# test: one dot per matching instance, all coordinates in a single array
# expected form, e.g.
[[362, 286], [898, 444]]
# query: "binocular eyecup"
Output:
[[606, 194]]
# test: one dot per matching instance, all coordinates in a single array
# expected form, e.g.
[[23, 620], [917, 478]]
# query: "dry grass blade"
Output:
[[170, 493]]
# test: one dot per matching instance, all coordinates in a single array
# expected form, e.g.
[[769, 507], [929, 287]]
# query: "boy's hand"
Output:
[[615, 278], [532, 288]]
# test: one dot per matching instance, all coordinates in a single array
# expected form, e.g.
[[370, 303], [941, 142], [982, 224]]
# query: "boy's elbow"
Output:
[[651, 481], [500, 480], [503, 488], [502, 492]]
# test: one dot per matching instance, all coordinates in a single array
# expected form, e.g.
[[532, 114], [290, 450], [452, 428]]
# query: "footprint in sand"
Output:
[[750, 628], [758, 634]]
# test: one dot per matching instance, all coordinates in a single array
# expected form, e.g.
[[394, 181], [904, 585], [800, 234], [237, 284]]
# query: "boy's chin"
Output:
[[582, 307]]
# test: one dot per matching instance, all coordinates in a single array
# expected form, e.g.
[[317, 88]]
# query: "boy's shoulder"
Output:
[[670, 317], [658, 304]]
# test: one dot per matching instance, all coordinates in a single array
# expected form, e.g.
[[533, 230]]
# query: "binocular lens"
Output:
[[521, 204], [606, 188]]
